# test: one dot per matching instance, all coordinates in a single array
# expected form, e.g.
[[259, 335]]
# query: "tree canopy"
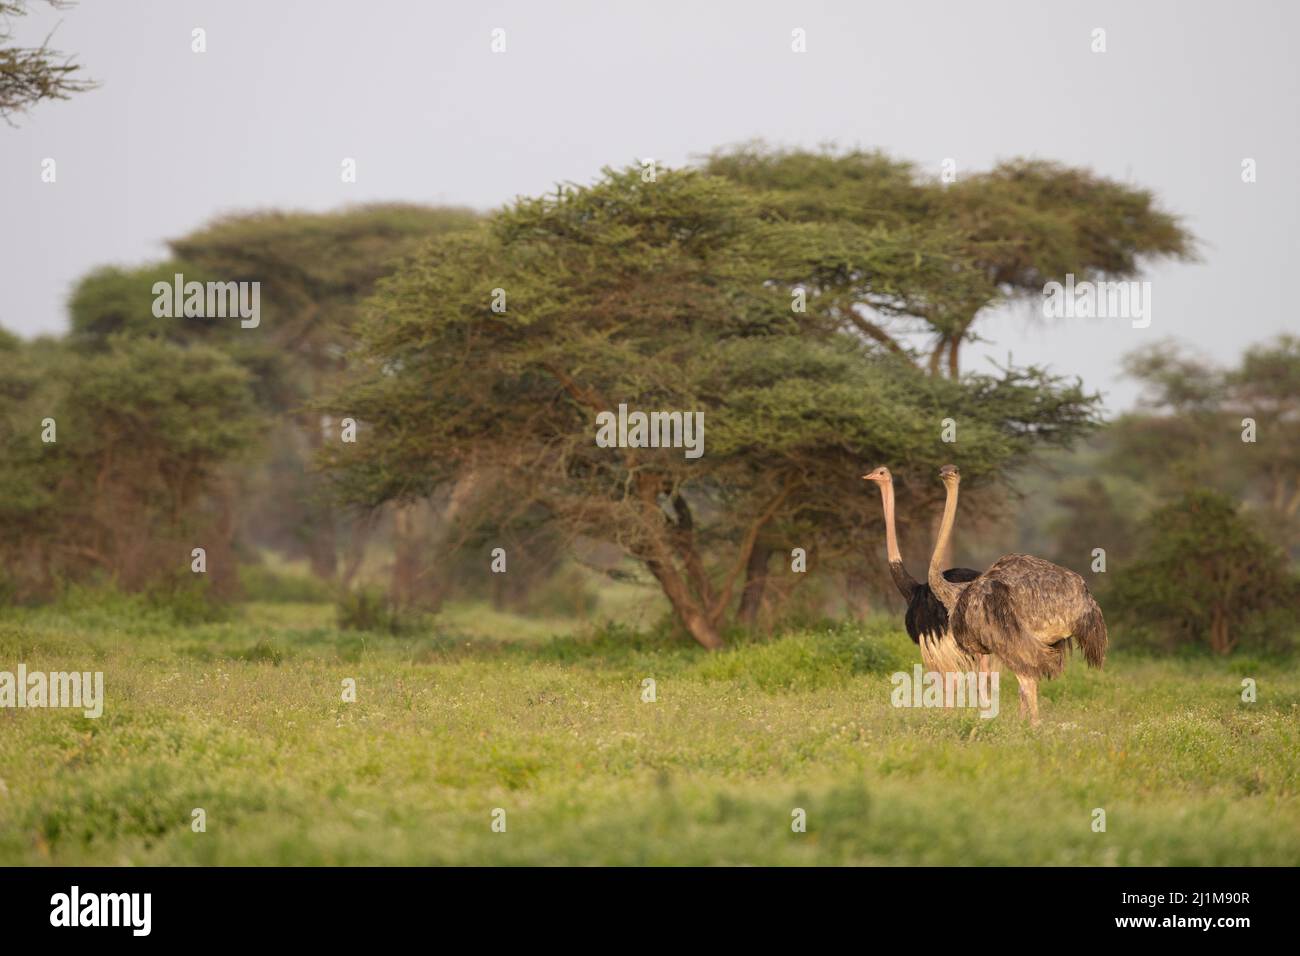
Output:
[[113, 462], [313, 269], [671, 294], [1017, 226]]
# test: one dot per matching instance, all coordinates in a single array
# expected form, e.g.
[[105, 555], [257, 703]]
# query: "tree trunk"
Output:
[[693, 617], [936, 356], [405, 555], [751, 597], [320, 545], [954, 344], [683, 535], [322, 548], [857, 593], [225, 575], [362, 529], [1220, 640]]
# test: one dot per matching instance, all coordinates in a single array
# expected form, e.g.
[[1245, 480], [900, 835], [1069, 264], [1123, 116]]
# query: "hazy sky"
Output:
[[412, 91]]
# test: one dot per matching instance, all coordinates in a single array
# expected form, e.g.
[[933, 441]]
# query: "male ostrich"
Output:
[[1023, 609], [927, 619]]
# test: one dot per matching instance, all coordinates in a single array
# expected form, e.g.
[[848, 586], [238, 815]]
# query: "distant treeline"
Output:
[[421, 388], [1194, 497]]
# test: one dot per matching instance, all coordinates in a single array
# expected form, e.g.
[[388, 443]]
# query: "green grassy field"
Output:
[[245, 720]]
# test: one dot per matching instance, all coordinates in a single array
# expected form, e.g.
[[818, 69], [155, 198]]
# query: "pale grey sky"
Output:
[[413, 92]]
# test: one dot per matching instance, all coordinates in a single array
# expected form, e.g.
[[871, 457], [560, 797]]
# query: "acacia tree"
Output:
[[313, 270], [29, 75], [113, 463], [665, 295], [1020, 225]]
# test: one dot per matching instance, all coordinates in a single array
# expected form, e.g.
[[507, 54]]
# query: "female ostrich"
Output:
[[927, 619], [1023, 609]]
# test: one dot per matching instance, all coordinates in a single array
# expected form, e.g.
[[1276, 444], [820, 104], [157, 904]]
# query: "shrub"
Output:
[[367, 609], [1206, 575]]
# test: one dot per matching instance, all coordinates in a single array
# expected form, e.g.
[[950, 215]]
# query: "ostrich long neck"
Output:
[[943, 589], [905, 583]]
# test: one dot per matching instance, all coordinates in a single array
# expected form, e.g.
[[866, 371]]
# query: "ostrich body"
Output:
[[1023, 609], [926, 619]]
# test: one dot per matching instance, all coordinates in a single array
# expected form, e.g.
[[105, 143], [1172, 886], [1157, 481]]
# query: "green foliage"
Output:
[[989, 236], [312, 269], [806, 660], [325, 261], [133, 480], [187, 598], [1188, 434], [1031, 221], [30, 75], [260, 583], [1204, 574], [184, 409], [557, 733], [113, 300], [367, 609], [660, 295]]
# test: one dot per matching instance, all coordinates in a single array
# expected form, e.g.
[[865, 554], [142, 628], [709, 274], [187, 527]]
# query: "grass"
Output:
[[244, 719]]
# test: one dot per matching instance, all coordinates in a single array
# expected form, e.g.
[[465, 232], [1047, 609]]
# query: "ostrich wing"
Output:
[[1021, 609], [1025, 609], [925, 612]]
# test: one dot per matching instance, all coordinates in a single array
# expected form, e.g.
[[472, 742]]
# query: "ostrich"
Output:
[[926, 619], [1023, 609]]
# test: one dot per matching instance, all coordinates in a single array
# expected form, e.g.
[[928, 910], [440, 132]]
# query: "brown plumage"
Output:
[[1024, 609]]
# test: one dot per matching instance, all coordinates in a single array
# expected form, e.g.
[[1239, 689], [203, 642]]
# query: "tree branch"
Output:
[[747, 547]]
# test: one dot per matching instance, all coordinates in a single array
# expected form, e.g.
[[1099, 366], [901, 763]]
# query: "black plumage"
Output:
[[927, 617], [925, 613]]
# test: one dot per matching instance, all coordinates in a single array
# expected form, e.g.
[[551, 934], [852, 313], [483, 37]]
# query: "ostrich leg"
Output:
[[1028, 698]]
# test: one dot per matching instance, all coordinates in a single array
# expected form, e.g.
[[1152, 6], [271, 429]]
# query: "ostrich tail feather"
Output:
[[1090, 634]]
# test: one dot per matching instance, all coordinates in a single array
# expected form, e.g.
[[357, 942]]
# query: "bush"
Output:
[[808, 660], [367, 609], [1206, 575], [188, 598]]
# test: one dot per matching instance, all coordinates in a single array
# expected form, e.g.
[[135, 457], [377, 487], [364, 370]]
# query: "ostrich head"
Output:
[[949, 475], [881, 475]]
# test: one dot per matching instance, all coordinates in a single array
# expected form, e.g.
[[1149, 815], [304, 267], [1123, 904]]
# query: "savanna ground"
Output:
[[477, 711]]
